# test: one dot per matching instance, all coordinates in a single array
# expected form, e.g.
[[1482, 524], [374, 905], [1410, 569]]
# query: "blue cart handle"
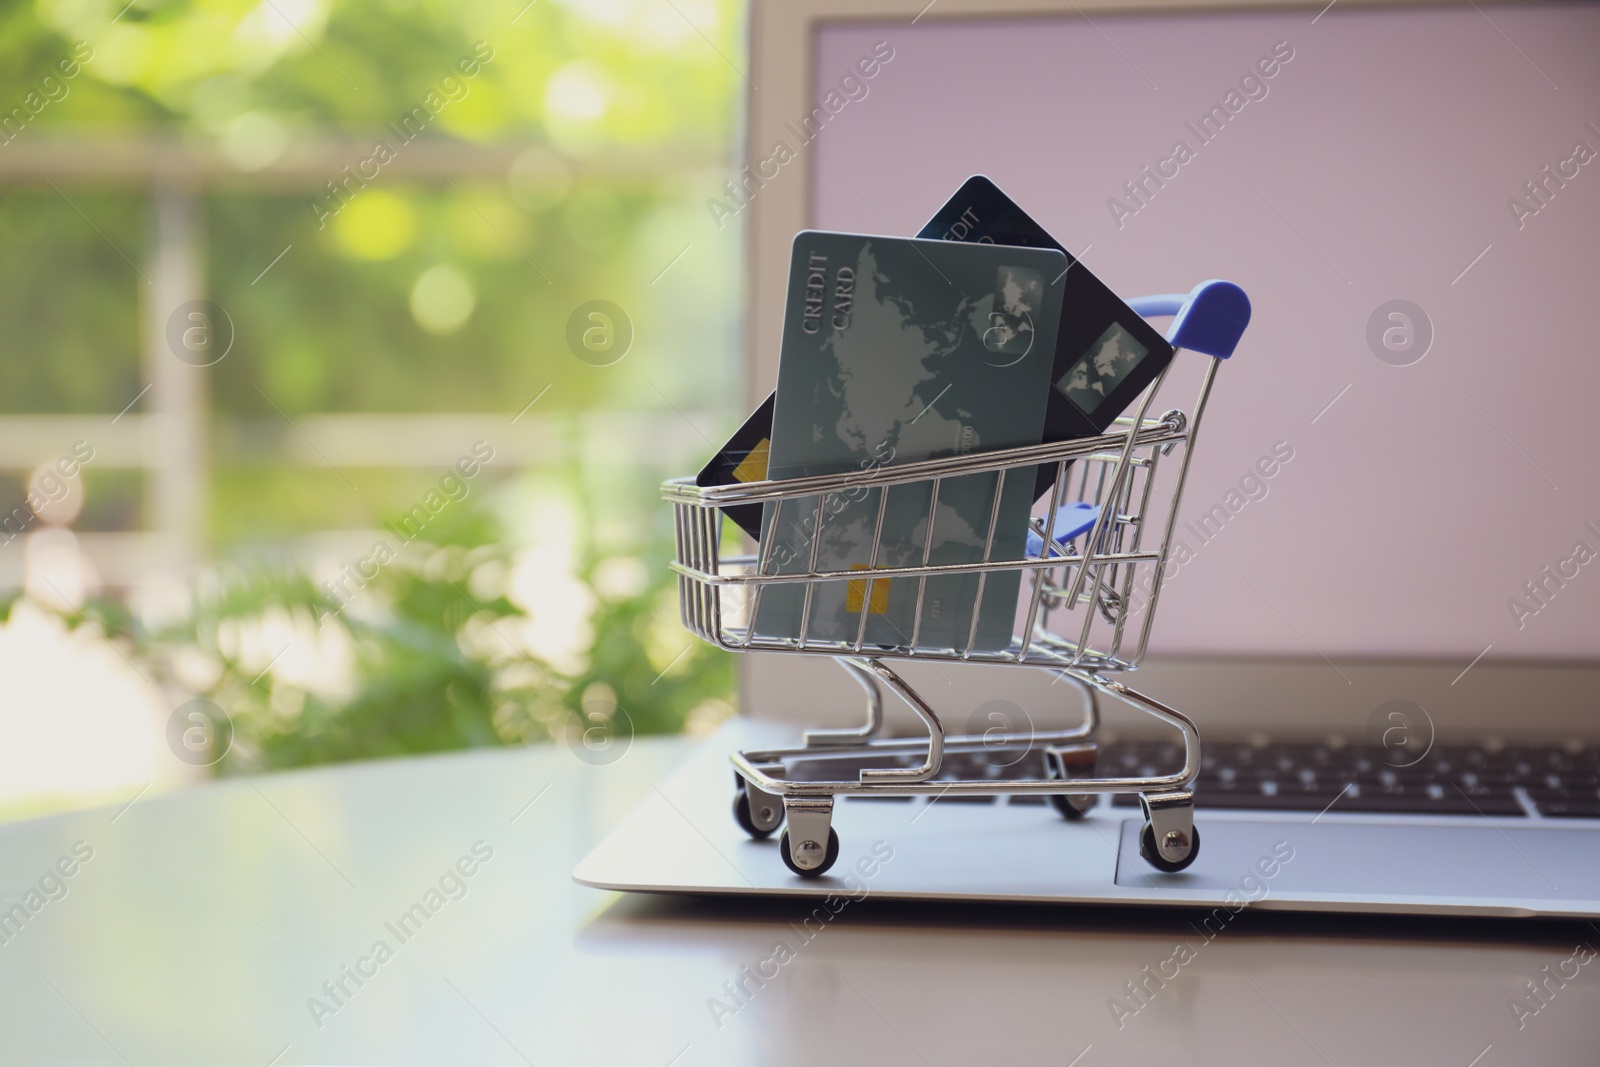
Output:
[[1210, 318]]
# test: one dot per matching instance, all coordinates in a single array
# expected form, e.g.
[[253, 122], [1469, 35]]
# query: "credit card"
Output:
[[1106, 353], [743, 459], [896, 350]]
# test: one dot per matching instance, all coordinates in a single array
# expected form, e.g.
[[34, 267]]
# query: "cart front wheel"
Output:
[[742, 815], [1147, 849], [829, 857]]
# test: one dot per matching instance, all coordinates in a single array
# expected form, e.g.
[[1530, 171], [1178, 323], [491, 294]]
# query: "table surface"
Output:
[[421, 911]]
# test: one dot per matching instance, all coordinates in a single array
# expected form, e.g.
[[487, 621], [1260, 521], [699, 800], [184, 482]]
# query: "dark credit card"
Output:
[[1106, 353], [744, 459]]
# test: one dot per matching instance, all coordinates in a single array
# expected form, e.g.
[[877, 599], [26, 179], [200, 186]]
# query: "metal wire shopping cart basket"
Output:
[[1077, 617]]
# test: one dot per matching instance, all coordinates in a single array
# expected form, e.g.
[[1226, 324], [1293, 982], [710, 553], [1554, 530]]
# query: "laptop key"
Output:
[[1567, 808], [1259, 801], [1556, 802], [1449, 803]]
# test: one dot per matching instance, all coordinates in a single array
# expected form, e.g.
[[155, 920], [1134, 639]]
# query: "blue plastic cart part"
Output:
[[1072, 520], [1210, 319]]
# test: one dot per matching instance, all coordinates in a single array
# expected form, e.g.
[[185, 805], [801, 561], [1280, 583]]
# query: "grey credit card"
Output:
[[1105, 352], [896, 350]]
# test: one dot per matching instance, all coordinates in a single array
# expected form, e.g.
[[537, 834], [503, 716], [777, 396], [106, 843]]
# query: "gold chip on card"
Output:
[[753, 468]]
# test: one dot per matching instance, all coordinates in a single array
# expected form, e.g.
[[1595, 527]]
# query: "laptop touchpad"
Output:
[[1263, 860]]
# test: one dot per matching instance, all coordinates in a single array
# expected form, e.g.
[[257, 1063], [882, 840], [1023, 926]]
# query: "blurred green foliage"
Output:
[[417, 296], [625, 110], [582, 74], [430, 656], [70, 304]]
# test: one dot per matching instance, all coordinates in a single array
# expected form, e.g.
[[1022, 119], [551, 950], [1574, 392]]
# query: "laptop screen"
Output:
[[1410, 196]]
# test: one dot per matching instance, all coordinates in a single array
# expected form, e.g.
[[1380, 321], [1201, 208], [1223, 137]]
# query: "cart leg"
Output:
[[1062, 759], [1169, 841], [863, 675], [809, 846], [1091, 710], [930, 719]]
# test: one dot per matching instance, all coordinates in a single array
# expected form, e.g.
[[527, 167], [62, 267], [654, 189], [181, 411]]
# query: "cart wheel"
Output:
[[1147, 849], [1072, 808], [741, 815], [828, 859]]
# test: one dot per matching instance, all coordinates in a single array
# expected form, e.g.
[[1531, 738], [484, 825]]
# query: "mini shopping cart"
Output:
[[1084, 598]]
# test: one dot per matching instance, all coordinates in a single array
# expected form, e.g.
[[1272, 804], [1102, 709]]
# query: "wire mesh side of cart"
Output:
[[1087, 602]]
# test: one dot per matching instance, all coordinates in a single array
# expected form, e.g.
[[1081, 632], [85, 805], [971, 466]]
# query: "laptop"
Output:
[[1391, 645]]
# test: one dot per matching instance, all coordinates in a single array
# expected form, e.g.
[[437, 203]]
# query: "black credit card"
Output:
[[744, 459], [1106, 353]]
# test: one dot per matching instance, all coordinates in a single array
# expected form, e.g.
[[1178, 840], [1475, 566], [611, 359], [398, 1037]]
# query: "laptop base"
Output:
[[683, 839]]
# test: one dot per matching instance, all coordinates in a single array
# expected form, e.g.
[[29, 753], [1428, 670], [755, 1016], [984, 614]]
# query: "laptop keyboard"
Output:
[[1449, 780]]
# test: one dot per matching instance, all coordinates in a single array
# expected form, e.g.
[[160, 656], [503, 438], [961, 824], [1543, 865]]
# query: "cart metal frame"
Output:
[[1080, 598]]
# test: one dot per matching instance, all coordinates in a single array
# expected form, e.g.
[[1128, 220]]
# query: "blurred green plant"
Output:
[[430, 656]]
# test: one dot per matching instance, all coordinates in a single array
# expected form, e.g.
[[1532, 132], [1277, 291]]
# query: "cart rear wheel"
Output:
[[742, 816], [1147, 849], [1071, 808], [828, 859]]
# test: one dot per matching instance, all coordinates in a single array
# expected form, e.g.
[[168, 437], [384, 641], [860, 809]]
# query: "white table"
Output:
[[205, 922]]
